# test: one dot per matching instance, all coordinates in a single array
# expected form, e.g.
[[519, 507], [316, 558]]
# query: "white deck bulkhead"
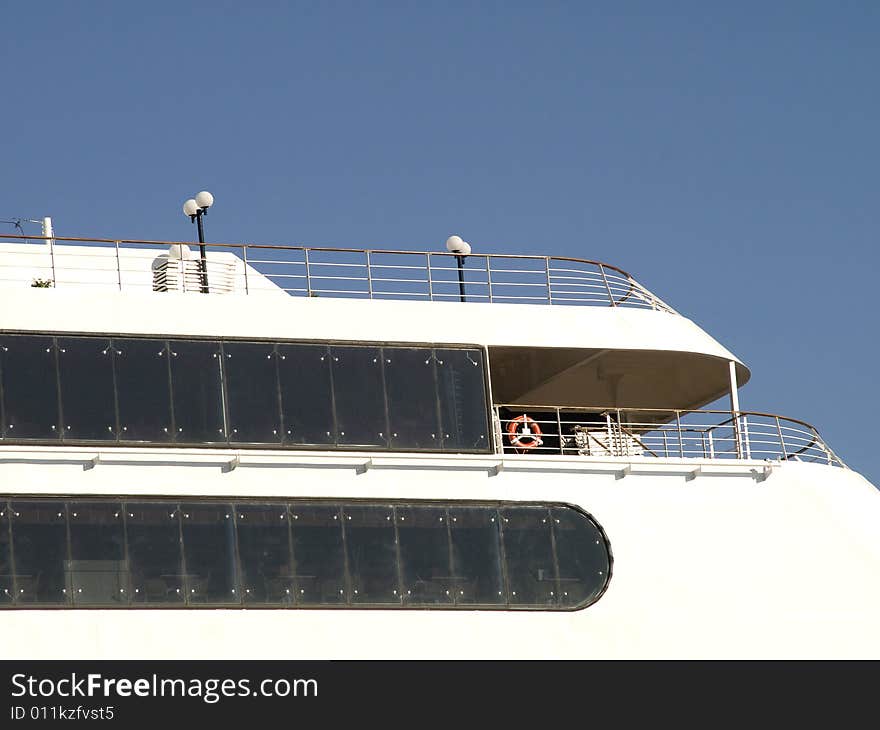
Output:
[[678, 364]]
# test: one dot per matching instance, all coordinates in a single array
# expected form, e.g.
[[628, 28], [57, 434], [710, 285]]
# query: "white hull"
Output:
[[715, 566]]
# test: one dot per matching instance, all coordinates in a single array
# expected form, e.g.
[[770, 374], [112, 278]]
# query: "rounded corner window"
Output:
[[296, 553]]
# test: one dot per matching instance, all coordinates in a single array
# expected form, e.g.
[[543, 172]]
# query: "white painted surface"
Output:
[[326, 318], [721, 565]]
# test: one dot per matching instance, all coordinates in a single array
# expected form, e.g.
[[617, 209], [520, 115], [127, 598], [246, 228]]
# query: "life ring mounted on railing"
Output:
[[523, 432]]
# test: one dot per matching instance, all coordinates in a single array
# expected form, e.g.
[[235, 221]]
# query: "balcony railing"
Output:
[[628, 432], [330, 272]]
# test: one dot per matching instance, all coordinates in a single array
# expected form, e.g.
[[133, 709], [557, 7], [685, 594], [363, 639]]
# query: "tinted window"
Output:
[[197, 392], [252, 392], [6, 586], [372, 554], [306, 394], [198, 398], [39, 543], [98, 571], [30, 387], [359, 396], [87, 403], [264, 553], [154, 554], [476, 556], [209, 553], [412, 398], [289, 553], [142, 390], [319, 554], [581, 555], [425, 555], [528, 551], [462, 399]]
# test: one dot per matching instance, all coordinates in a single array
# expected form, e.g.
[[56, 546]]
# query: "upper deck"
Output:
[[600, 362], [560, 330]]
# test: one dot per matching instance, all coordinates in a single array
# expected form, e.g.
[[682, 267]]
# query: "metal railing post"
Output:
[[607, 287], [489, 276], [369, 276], [308, 272], [781, 439], [745, 436], [52, 261], [610, 443], [621, 441], [497, 430], [680, 438], [244, 258], [549, 287], [118, 267], [559, 432], [430, 280], [711, 445]]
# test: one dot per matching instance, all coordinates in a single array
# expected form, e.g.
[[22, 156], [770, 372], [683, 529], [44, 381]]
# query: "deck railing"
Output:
[[700, 434], [322, 271]]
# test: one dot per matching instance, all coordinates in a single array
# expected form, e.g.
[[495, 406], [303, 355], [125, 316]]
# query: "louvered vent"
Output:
[[185, 275]]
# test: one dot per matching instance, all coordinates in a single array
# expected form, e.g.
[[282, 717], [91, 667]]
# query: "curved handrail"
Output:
[[659, 432], [357, 272], [287, 247]]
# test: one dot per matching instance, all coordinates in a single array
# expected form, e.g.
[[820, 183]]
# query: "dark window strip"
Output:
[[148, 391], [162, 553]]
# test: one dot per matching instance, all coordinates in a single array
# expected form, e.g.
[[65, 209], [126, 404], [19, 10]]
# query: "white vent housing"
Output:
[[185, 275]]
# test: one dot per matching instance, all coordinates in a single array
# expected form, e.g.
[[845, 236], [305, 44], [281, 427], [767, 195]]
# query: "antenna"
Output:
[[18, 221]]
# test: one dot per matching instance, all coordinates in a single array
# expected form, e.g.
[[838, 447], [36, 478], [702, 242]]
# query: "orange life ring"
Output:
[[529, 437]]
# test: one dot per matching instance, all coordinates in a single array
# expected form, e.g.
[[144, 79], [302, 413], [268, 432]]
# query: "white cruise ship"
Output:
[[281, 452]]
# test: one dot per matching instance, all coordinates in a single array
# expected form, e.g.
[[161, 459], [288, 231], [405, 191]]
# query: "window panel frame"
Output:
[[120, 360], [181, 438], [71, 428], [172, 508], [288, 413], [451, 441], [432, 394], [228, 349], [79, 575], [7, 430], [22, 594]]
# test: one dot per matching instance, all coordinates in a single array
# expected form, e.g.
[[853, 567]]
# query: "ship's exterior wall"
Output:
[[745, 559], [670, 362], [323, 318]]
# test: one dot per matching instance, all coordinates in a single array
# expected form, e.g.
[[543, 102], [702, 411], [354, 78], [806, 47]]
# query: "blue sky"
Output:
[[724, 153]]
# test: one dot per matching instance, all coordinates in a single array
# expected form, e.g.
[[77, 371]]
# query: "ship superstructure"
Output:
[[402, 454]]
